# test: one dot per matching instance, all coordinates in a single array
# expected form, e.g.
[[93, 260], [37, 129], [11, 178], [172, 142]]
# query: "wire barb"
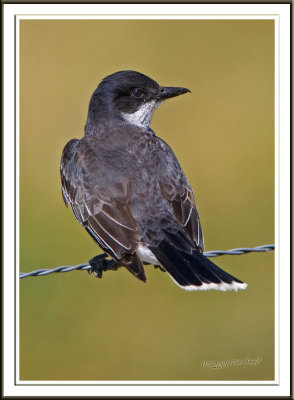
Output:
[[87, 267]]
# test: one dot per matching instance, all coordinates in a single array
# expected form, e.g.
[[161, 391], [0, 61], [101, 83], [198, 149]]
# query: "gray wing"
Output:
[[99, 198], [177, 190], [185, 211]]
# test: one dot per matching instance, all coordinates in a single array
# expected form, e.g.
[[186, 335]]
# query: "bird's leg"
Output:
[[99, 264], [156, 266], [160, 267]]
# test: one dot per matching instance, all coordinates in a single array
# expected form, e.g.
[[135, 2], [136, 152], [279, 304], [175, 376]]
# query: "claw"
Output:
[[99, 264]]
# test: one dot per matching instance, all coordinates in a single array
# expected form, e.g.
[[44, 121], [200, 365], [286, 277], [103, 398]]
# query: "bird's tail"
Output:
[[194, 271]]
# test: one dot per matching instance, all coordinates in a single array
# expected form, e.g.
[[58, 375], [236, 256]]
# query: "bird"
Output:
[[127, 189]]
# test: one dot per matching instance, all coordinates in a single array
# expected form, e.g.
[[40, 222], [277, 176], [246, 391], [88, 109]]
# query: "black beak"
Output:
[[167, 92]]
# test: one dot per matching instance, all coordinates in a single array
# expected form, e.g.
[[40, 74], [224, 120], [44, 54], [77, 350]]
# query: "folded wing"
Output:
[[101, 205]]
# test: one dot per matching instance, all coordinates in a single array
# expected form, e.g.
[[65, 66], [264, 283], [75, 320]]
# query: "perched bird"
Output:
[[127, 188]]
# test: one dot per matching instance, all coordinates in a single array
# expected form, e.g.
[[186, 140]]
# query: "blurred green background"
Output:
[[76, 327]]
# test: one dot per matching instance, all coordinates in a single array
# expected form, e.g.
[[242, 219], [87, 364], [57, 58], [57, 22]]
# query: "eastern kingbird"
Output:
[[127, 188]]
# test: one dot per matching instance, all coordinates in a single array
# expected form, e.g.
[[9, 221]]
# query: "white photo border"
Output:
[[280, 13]]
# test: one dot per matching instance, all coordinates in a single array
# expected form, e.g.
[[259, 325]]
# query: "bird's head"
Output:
[[131, 96]]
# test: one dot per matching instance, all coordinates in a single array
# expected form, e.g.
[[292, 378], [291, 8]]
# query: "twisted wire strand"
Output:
[[241, 250], [87, 267]]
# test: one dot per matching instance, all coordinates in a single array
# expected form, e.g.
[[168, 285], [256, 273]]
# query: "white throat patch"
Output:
[[143, 116]]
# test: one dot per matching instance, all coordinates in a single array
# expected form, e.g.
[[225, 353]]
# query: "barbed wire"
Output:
[[241, 250], [87, 267]]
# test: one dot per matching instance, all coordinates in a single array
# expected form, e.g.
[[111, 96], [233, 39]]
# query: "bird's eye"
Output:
[[138, 93]]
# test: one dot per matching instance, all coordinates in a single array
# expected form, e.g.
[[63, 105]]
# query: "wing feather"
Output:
[[100, 205], [184, 208]]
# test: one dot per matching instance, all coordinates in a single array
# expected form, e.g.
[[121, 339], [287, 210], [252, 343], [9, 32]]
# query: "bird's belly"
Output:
[[146, 255]]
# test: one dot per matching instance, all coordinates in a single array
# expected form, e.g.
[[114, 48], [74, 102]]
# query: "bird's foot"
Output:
[[160, 267], [100, 264]]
